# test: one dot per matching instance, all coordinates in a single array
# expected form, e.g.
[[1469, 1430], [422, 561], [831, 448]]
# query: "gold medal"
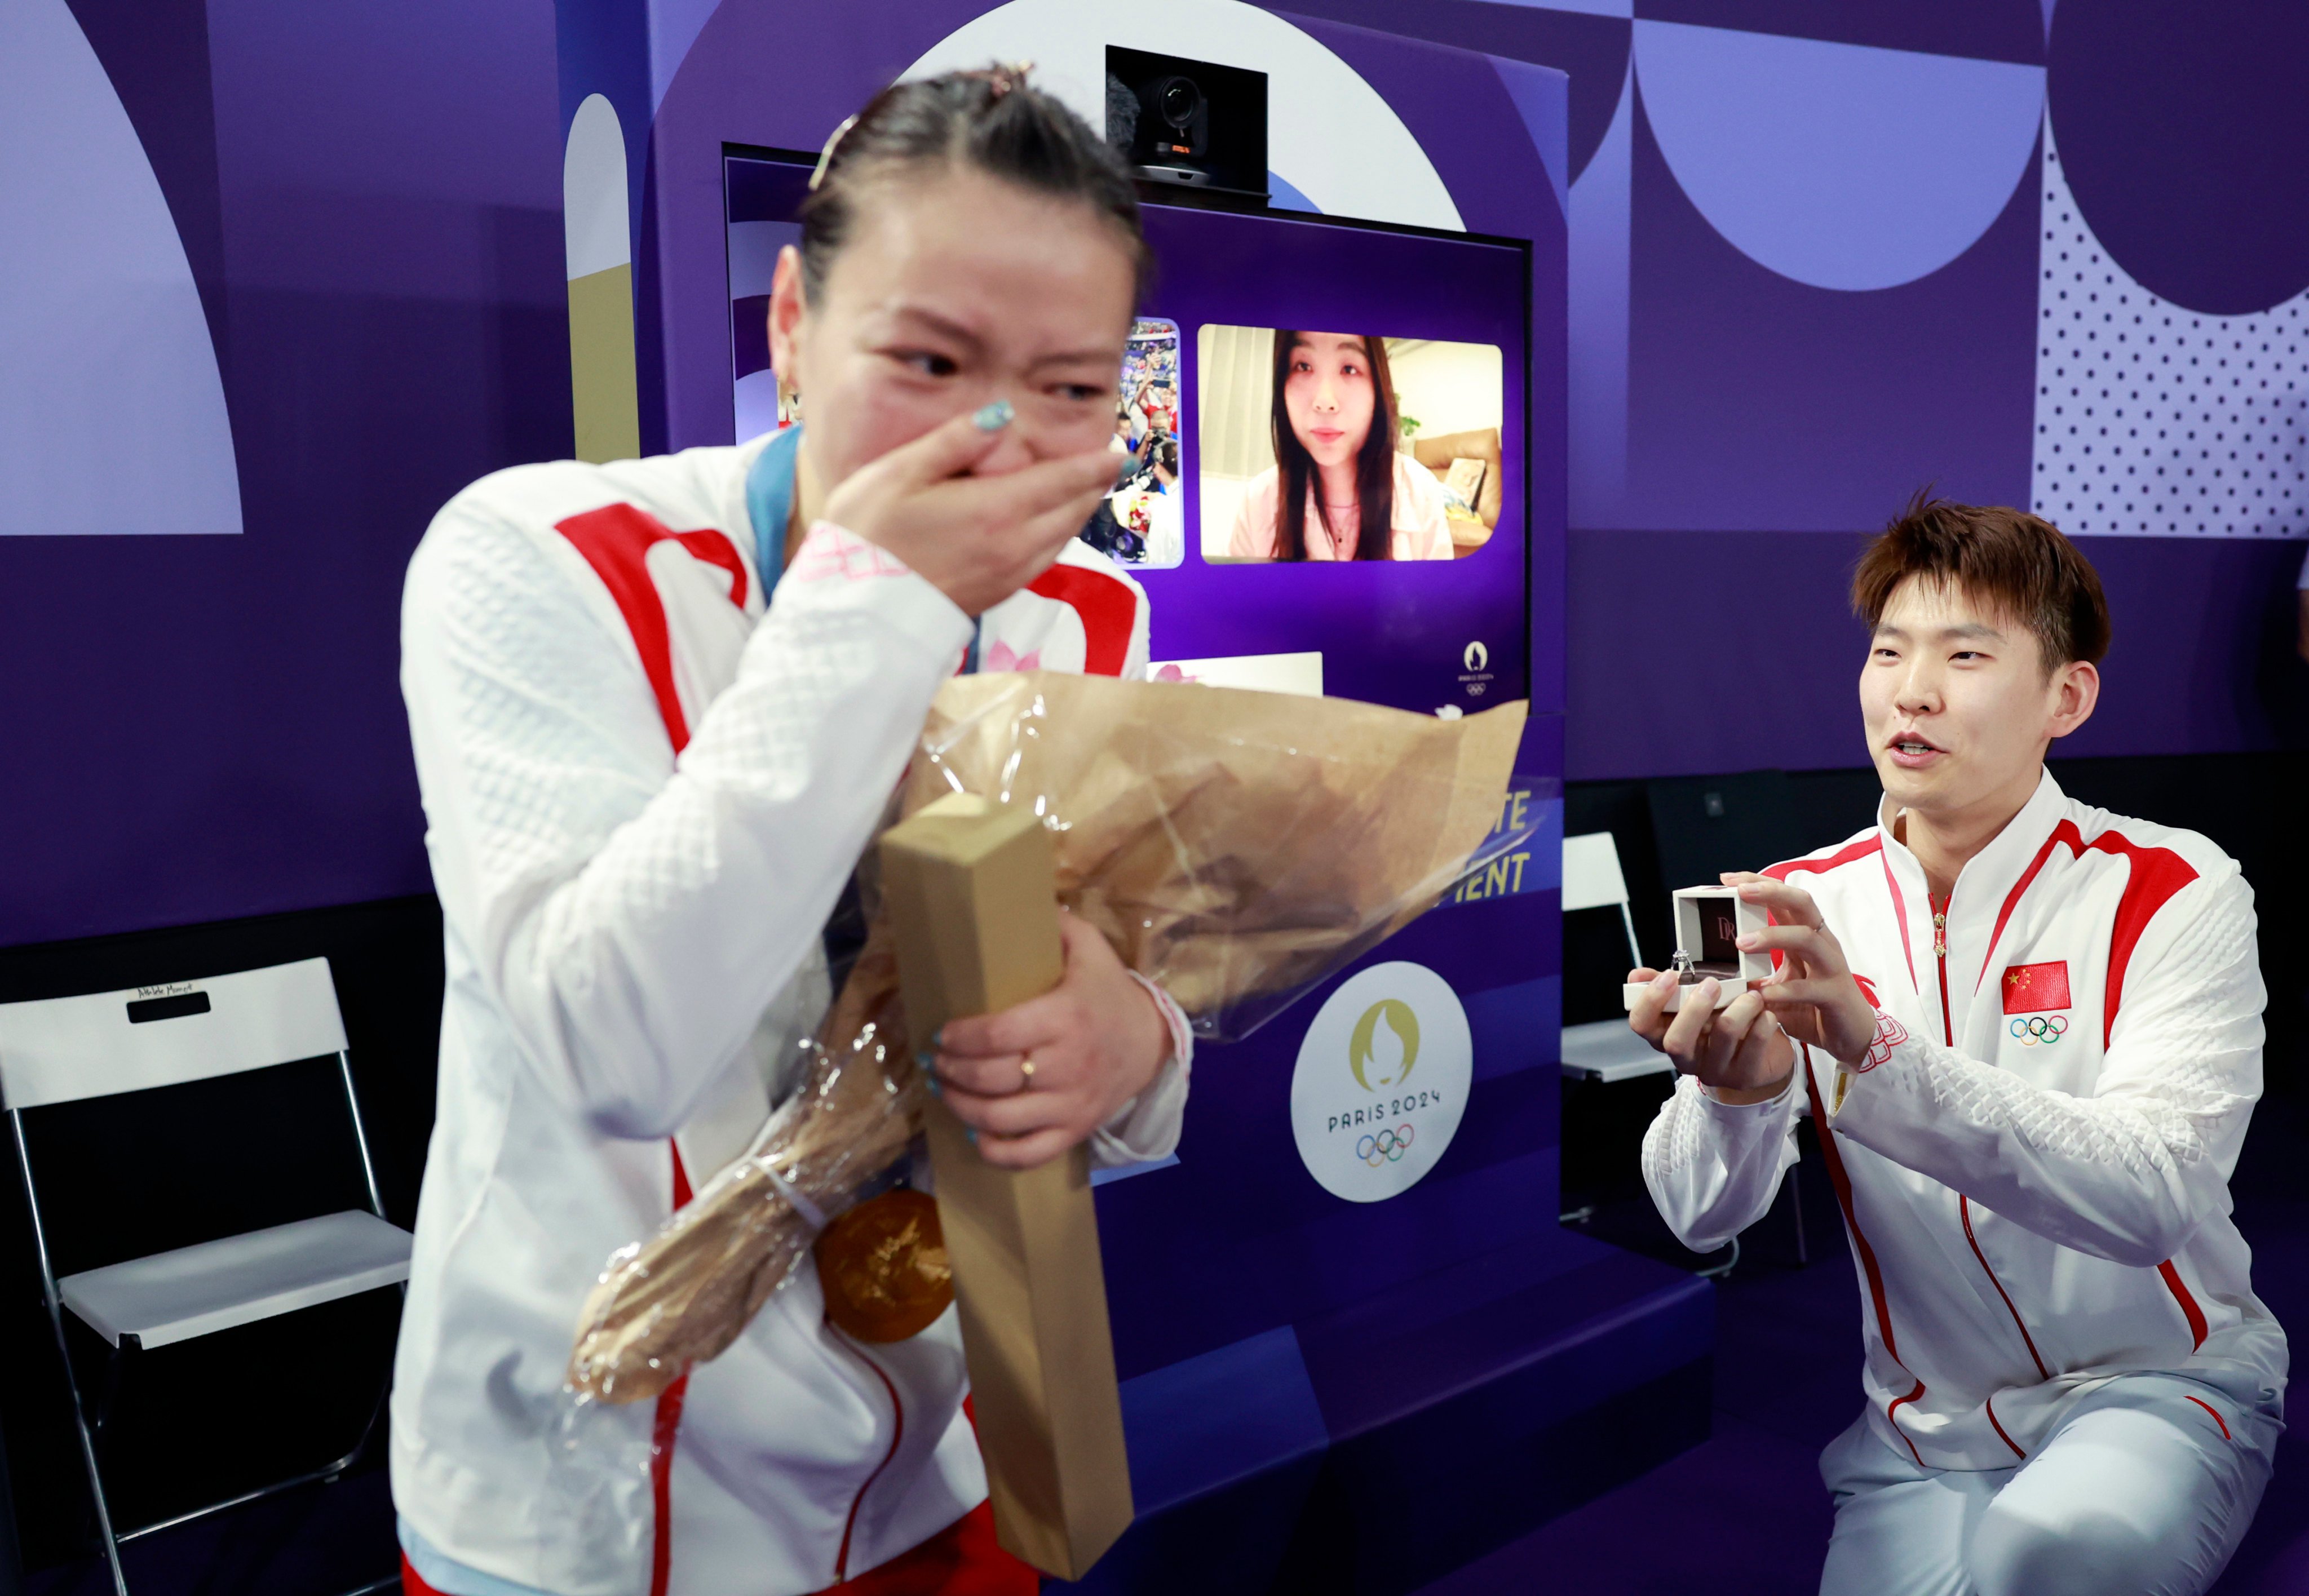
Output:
[[883, 1267]]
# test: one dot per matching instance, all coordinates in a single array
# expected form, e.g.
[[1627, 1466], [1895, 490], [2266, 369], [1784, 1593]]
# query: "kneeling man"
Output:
[[2029, 1035]]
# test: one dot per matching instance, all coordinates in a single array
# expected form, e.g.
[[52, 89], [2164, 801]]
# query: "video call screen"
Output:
[[1397, 440], [1363, 373]]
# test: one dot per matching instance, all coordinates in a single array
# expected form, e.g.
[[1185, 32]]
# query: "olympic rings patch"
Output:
[[1387, 1147], [2044, 1028]]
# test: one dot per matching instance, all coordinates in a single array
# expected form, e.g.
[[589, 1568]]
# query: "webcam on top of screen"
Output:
[[1188, 123], [1709, 921]]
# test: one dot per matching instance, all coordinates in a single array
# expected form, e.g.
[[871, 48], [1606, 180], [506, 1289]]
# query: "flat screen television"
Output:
[[1273, 344]]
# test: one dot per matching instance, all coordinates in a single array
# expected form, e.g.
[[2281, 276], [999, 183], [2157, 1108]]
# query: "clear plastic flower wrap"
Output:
[[686, 1293], [1236, 848]]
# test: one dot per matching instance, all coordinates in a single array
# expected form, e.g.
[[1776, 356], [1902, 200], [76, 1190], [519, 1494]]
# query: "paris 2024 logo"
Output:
[[1381, 1082]]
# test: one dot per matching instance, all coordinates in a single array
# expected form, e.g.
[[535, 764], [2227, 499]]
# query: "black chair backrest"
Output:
[[1704, 825]]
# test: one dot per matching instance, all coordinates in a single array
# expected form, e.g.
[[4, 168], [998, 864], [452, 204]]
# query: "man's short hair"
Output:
[[2001, 559]]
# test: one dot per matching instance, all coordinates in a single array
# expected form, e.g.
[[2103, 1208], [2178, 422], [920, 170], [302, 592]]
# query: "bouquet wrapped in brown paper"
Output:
[[1234, 847]]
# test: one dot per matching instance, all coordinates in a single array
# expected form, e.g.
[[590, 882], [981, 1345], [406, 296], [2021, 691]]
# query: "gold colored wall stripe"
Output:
[[604, 397]]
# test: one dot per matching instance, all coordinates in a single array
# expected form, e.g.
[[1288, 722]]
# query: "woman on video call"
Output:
[[1339, 488]]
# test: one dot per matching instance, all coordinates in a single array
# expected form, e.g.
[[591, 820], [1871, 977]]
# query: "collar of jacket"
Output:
[[1983, 887]]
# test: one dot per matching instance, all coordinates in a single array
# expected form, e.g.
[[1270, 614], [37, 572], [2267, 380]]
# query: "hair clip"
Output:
[[1003, 76], [826, 156]]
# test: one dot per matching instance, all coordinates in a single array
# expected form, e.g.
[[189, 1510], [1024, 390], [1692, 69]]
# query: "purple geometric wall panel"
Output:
[[2173, 348], [1838, 165], [2155, 420], [1825, 252], [112, 414], [369, 201], [1587, 42], [1759, 402], [1832, 265], [2185, 131], [1979, 29]]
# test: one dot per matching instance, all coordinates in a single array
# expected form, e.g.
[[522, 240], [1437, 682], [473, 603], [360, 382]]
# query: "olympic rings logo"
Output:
[[1387, 1147], [2044, 1028]]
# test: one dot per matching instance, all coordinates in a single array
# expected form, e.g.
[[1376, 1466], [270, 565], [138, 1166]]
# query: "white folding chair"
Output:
[[1592, 879], [70, 1050], [1603, 1049]]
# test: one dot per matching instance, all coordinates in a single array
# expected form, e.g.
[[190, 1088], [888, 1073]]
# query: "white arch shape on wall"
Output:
[[595, 221], [1329, 134], [112, 411]]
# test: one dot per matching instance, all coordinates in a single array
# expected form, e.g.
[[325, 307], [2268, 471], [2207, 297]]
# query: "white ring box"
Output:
[[1708, 920]]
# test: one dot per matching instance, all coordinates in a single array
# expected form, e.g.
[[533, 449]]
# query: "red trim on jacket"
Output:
[[1891, 1410], [2012, 898], [2209, 1408], [2188, 1308], [1842, 1181], [665, 1425], [963, 1559], [897, 1433], [1842, 856], [1990, 1406], [2157, 874], [1900, 914], [1107, 608], [616, 541], [1963, 1211]]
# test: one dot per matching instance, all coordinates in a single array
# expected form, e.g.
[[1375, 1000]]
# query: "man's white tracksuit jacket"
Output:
[[643, 795], [2033, 1161]]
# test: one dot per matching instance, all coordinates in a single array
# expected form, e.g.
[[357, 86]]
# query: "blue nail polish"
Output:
[[937, 1086], [972, 1133], [993, 416], [938, 1039]]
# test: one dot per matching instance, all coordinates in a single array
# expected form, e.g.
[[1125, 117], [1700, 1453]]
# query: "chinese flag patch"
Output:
[[2032, 988]]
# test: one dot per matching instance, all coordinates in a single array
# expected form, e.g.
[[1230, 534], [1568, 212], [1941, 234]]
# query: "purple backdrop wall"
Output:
[[198, 727], [368, 201], [1802, 289]]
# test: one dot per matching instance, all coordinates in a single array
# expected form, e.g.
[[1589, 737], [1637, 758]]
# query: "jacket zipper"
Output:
[[1939, 959], [1963, 1202]]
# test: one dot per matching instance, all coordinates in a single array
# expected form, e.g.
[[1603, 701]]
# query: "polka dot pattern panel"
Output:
[[2187, 131], [2156, 420]]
